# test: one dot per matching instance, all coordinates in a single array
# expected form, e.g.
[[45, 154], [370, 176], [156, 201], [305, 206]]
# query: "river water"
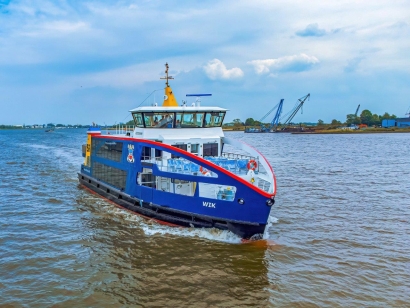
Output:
[[338, 235]]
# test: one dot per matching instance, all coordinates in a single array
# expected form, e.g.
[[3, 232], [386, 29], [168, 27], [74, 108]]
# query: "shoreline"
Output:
[[364, 131]]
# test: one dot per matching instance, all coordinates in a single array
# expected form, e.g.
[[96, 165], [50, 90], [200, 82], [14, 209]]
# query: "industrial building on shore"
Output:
[[399, 122]]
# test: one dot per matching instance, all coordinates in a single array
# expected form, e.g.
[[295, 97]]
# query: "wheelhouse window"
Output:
[[210, 149], [138, 119], [189, 119], [214, 119], [159, 119]]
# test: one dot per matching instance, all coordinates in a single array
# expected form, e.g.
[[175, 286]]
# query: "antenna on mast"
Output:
[[166, 72]]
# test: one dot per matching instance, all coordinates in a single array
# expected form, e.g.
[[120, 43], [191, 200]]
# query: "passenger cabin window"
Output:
[[214, 119], [146, 153], [138, 119], [195, 149], [179, 146], [210, 149], [107, 149], [110, 175]]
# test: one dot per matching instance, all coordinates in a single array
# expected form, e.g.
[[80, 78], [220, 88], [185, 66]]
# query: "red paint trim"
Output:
[[203, 161], [161, 222], [271, 169]]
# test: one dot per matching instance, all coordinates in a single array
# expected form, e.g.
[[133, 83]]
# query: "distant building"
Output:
[[399, 122]]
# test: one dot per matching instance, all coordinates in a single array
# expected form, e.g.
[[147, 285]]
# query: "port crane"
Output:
[[357, 110], [355, 116], [294, 111], [273, 124]]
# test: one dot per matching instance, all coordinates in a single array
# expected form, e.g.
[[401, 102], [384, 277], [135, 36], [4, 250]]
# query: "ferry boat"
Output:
[[174, 167]]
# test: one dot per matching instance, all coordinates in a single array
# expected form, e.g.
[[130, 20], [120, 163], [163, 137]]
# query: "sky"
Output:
[[78, 62]]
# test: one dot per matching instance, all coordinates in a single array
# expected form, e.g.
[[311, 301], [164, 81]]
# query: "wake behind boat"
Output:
[[172, 167]]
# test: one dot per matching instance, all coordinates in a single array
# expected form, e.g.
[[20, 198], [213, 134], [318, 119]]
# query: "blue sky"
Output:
[[85, 61]]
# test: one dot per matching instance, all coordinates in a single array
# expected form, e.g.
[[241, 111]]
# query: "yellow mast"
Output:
[[169, 98]]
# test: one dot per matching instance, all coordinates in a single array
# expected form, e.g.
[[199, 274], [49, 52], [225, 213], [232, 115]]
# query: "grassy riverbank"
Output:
[[358, 131]]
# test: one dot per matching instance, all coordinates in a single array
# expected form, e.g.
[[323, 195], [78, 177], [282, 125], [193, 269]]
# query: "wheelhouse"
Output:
[[184, 117]]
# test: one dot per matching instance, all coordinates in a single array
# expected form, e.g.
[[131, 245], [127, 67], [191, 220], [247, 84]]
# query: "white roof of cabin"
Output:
[[177, 109]]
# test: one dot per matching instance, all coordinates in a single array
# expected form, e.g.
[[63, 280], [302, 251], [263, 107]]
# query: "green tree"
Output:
[[250, 122], [351, 119], [237, 122], [385, 116], [320, 122], [335, 122], [366, 117], [376, 120]]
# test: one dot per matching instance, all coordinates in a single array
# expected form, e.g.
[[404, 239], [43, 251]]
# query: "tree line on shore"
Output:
[[50, 125], [366, 117]]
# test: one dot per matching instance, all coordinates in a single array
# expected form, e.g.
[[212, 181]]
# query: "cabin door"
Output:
[[147, 184]]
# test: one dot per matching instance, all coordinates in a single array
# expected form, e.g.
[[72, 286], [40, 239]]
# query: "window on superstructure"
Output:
[[189, 120], [110, 175], [214, 119], [179, 146], [195, 148], [210, 149], [148, 119], [111, 150], [138, 119], [148, 180], [146, 153]]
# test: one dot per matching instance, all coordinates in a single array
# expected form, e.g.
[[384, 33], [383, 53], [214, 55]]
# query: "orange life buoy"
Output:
[[203, 170], [252, 164]]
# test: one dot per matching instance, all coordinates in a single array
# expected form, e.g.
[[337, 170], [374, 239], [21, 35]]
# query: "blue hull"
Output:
[[169, 215], [119, 172]]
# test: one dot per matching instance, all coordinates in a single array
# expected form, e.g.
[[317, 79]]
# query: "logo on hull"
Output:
[[130, 156], [208, 204]]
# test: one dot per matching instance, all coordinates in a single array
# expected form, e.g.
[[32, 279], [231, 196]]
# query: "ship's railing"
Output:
[[236, 166], [120, 129], [236, 163], [178, 165]]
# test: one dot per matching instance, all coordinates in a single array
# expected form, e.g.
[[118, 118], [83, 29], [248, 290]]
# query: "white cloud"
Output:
[[311, 30], [216, 69], [295, 63]]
